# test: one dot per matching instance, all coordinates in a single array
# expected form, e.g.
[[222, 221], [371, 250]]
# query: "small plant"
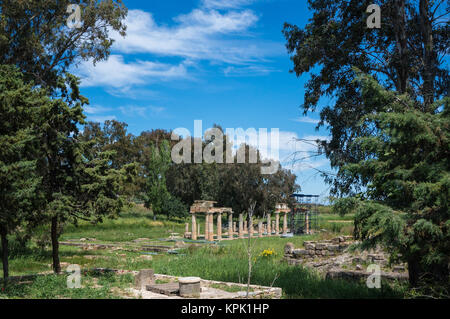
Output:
[[268, 253]]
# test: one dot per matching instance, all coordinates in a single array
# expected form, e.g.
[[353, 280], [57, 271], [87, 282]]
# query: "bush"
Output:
[[173, 207]]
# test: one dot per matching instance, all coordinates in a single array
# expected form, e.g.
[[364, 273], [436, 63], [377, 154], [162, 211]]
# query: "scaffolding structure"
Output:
[[304, 216]]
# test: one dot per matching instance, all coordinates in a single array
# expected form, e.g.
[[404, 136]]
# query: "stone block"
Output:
[[189, 287], [320, 246], [333, 247], [310, 246], [300, 252], [143, 278], [289, 248]]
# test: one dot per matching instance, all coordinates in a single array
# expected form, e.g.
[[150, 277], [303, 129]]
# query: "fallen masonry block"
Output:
[[300, 252], [143, 278]]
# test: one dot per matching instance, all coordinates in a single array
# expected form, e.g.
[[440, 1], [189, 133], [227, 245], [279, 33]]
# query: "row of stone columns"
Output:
[[243, 228]]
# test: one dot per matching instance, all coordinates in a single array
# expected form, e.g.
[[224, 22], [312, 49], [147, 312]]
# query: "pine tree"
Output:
[[406, 172], [78, 181], [19, 105]]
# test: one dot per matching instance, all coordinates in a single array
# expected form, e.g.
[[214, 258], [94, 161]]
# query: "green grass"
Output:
[[227, 262], [94, 286]]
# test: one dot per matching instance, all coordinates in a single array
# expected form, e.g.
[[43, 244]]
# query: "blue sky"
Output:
[[222, 62]]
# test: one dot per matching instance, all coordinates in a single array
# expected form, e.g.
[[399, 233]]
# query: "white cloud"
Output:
[[95, 109], [218, 32], [253, 70], [141, 111], [306, 120], [116, 73], [100, 118], [199, 35], [226, 4], [294, 153]]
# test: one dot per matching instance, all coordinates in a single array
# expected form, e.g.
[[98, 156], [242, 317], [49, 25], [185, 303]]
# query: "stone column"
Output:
[[245, 227], [230, 225], [269, 231], [307, 223], [194, 227], [285, 223], [250, 227], [207, 226], [211, 227], [198, 230], [235, 227], [260, 229], [277, 223], [241, 227], [219, 226]]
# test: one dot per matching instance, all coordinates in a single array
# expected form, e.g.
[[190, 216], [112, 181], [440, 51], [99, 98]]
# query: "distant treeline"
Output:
[[170, 188]]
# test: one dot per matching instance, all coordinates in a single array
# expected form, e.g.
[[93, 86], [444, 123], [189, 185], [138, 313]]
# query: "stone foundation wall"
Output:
[[314, 249]]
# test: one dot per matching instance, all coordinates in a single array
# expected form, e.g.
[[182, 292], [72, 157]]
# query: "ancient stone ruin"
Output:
[[149, 285], [333, 259], [244, 228]]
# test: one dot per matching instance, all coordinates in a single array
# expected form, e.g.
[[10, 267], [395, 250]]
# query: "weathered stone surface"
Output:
[[143, 278], [168, 289], [310, 246], [300, 252], [358, 275], [180, 244], [333, 247], [398, 269], [289, 248], [190, 287], [320, 246]]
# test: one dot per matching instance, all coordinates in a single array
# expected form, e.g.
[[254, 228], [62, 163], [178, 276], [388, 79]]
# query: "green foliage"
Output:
[[405, 206], [157, 164], [34, 36], [407, 55], [173, 207], [388, 120]]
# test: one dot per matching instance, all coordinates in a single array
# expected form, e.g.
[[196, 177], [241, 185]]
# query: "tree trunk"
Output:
[[55, 246], [401, 44], [414, 271], [4, 254], [429, 55]]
